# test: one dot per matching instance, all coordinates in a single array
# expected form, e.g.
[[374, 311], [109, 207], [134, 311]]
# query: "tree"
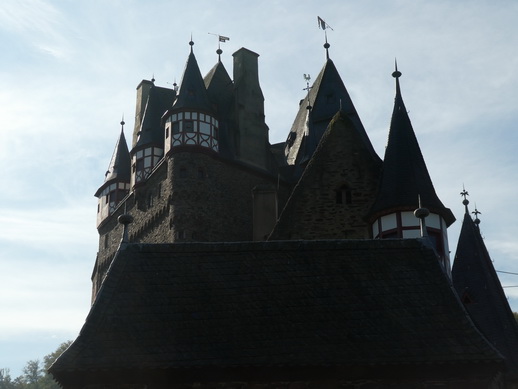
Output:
[[34, 375]]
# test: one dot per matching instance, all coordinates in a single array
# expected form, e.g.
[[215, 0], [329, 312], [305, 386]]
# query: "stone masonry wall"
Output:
[[335, 192], [191, 196]]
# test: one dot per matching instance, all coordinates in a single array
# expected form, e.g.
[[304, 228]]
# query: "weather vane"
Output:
[[324, 26], [223, 39]]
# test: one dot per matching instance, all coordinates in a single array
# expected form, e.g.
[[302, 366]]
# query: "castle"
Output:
[[248, 225]]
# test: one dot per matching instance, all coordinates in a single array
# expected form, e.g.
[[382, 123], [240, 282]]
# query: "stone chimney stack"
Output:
[[253, 143], [142, 96]]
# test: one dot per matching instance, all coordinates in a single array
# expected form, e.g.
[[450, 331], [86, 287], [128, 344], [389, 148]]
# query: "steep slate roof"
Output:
[[327, 96], [192, 93], [405, 176], [151, 130], [478, 286], [298, 303], [119, 169], [342, 157]]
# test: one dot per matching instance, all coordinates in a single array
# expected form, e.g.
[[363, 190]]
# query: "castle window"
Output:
[[167, 132], [188, 126], [159, 190], [176, 128], [106, 240], [150, 200], [343, 195]]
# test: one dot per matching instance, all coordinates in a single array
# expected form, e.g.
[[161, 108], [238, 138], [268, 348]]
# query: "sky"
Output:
[[68, 73]]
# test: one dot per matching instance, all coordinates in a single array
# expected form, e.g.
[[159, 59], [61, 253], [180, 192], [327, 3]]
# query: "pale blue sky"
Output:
[[69, 70]]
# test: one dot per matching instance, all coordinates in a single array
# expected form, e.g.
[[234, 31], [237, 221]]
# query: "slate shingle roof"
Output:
[[151, 130], [192, 93], [476, 281], [405, 175], [296, 303], [119, 169], [327, 96]]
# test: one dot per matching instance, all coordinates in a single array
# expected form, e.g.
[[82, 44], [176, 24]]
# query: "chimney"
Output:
[[253, 143], [142, 95]]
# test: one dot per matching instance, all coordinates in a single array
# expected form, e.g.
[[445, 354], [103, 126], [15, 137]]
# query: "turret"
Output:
[[148, 137], [324, 99], [478, 287], [191, 120], [116, 181], [404, 180]]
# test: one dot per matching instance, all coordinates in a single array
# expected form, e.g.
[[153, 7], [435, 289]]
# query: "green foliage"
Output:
[[34, 375]]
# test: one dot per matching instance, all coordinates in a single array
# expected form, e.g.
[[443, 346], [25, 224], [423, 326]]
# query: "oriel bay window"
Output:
[[191, 128]]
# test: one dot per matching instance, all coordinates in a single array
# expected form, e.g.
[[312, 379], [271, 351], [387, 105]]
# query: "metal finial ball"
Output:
[[219, 51], [125, 219], [123, 122], [477, 221], [421, 213], [465, 202], [327, 45], [396, 74], [191, 43]]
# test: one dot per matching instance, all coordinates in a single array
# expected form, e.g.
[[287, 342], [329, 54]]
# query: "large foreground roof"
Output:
[[296, 303]]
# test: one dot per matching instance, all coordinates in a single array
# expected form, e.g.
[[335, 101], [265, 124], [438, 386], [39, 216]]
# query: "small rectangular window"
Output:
[[188, 126]]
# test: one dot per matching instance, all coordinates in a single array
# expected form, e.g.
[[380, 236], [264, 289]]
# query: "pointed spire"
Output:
[[405, 175], [119, 169], [478, 286], [327, 96], [192, 93]]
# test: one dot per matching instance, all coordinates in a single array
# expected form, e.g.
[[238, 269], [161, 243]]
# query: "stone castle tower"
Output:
[[201, 168]]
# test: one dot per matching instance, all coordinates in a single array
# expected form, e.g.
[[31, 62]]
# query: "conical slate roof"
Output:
[[151, 131], [219, 88], [405, 176], [477, 284], [192, 93], [119, 169], [326, 97]]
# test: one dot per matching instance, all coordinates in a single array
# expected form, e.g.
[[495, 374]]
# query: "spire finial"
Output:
[[421, 213], [153, 78], [324, 26], [223, 39], [465, 194], [396, 74], [122, 123], [307, 77], [476, 212], [191, 43], [125, 219]]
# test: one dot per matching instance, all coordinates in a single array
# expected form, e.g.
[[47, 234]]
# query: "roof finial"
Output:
[[223, 39], [125, 219], [476, 212], [324, 26], [421, 213], [122, 123], [307, 77], [465, 194], [191, 43], [396, 74], [153, 78]]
